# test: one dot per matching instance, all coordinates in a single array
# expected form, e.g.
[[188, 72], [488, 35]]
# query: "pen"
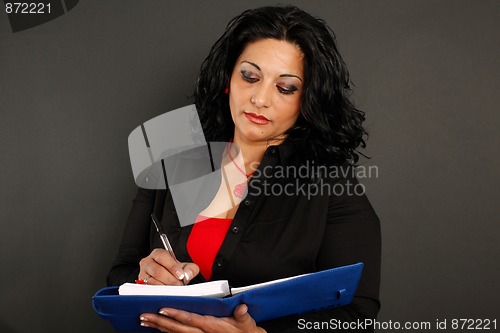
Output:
[[163, 236], [164, 239]]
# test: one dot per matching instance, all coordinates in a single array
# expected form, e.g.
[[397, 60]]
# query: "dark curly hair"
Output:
[[329, 128]]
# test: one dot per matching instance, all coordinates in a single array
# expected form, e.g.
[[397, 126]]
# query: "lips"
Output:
[[257, 119]]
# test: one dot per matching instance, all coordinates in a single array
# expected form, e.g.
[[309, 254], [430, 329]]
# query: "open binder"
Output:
[[306, 293]]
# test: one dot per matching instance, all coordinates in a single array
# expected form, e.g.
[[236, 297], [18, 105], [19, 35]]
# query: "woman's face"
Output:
[[265, 90]]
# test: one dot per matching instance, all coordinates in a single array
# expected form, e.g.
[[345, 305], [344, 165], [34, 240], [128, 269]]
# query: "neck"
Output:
[[252, 151]]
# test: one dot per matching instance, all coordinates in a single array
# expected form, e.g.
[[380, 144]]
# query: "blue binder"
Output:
[[321, 290]]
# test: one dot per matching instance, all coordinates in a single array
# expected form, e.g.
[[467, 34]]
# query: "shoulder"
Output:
[[347, 199]]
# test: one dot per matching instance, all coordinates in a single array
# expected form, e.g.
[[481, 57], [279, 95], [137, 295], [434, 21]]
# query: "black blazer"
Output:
[[316, 222]]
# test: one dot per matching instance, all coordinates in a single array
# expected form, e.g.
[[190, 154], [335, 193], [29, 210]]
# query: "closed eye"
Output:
[[248, 77], [286, 91]]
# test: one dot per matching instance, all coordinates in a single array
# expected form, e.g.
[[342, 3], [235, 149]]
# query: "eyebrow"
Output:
[[281, 75]]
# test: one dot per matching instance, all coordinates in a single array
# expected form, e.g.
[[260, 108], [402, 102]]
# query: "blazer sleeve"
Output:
[[135, 243], [352, 234]]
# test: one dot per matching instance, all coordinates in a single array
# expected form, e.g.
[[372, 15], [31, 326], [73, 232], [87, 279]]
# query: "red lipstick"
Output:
[[257, 119]]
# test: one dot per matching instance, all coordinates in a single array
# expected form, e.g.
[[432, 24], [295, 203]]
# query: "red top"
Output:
[[205, 240]]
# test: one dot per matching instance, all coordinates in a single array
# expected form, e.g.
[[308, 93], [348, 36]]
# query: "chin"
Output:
[[254, 136]]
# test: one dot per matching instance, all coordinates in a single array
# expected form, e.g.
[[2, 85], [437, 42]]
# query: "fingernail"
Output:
[[180, 274], [143, 319], [187, 275], [164, 313], [144, 324]]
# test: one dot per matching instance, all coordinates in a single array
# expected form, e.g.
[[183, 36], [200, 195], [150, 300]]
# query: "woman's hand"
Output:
[[160, 268], [173, 320]]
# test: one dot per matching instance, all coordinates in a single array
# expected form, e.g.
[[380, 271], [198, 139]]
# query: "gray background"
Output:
[[71, 91]]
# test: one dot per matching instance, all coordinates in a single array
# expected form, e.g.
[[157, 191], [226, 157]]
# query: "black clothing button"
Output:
[[220, 262], [273, 151], [235, 230], [247, 202]]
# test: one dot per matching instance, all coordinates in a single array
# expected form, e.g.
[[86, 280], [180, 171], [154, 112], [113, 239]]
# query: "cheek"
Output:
[[291, 112], [231, 109], [236, 94], [287, 120], [293, 118], [234, 103]]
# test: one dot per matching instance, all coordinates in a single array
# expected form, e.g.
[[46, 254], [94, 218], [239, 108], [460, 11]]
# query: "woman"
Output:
[[275, 86]]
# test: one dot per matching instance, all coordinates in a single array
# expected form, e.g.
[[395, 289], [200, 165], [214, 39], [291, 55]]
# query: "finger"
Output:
[[240, 311], [190, 271], [155, 273], [163, 258], [169, 321], [162, 323], [242, 316], [159, 275], [188, 318], [151, 280]]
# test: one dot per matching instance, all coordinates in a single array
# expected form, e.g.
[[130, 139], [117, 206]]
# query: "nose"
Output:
[[261, 97]]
